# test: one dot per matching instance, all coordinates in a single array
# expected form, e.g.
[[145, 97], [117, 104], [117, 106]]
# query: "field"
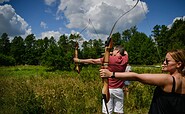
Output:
[[37, 90]]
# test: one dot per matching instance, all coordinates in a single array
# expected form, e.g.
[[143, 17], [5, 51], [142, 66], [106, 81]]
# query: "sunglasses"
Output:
[[167, 61]]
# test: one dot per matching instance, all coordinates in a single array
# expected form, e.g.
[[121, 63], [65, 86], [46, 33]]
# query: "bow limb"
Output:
[[110, 35], [77, 68]]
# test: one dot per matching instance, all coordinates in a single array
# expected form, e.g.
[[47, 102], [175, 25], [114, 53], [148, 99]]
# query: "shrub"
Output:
[[6, 60]]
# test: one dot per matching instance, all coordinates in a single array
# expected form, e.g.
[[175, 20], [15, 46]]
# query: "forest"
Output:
[[58, 55]]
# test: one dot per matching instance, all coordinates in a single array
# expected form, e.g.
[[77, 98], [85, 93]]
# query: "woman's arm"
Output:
[[151, 79]]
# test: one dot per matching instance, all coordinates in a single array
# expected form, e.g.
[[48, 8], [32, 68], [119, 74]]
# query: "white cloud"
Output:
[[103, 14], [177, 18], [11, 23], [1, 1], [43, 25], [49, 2], [49, 34]]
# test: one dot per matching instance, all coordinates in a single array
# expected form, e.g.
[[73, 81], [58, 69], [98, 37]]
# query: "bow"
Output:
[[77, 67], [105, 63]]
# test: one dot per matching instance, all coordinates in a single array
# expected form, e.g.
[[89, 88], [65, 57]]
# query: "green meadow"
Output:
[[38, 90]]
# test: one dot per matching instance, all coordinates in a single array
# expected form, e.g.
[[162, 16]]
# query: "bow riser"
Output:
[[77, 68], [105, 89]]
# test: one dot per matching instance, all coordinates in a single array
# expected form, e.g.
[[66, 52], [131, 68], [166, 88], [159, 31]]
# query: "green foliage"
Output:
[[92, 49], [58, 55], [30, 52], [169, 38], [116, 39], [6, 60], [141, 50], [4, 44], [18, 50]]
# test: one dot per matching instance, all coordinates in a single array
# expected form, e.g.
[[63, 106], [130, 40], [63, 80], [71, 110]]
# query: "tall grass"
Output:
[[34, 89], [140, 95]]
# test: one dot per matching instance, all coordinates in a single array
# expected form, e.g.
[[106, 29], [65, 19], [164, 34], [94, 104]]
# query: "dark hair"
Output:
[[120, 48]]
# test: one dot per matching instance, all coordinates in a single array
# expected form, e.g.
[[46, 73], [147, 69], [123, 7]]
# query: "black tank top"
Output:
[[167, 103]]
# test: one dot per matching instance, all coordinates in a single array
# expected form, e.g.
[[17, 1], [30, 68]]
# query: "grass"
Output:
[[36, 89]]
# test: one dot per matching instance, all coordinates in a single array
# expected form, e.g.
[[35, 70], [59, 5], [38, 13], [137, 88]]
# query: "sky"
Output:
[[93, 19]]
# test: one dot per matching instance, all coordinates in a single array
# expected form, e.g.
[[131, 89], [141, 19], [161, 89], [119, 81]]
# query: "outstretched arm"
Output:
[[151, 79], [88, 61]]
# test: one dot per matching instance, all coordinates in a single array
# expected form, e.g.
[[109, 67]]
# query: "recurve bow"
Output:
[[105, 63]]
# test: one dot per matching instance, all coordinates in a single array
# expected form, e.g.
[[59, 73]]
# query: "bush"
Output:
[[6, 60]]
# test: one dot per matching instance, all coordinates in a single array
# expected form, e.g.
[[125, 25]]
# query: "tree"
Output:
[[177, 35], [5, 58], [169, 38], [116, 37], [141, 49], [17, 50], [4, 44], [46, 43], [66, 50], [40, 48], [59, 54], [85, 49], [127, 34], [98, 47], [161, 38], [30, 50]]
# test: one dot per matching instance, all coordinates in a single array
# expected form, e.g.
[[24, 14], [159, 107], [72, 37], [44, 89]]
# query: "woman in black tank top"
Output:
[[169, 95]]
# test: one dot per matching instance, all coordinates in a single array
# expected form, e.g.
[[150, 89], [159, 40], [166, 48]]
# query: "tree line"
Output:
[[142, 49]]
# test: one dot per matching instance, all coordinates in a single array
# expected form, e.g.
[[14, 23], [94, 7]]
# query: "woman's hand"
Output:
[[105, 73], [76, 60]]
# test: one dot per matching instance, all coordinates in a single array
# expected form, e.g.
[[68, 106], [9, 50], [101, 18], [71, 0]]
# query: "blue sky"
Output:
[[56, 17], [161, 12]]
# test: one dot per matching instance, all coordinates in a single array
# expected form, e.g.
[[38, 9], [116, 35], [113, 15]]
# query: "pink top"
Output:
[[117, 64]]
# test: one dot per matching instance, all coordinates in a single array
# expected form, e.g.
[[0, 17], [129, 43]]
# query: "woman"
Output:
[[169, 95]]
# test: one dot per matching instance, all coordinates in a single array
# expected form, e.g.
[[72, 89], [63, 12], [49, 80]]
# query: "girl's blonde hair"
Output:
[[179, 56]]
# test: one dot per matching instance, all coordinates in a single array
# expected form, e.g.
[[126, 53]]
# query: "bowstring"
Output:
[[89, 23], [121, 17], [151, 30], [94, 28]]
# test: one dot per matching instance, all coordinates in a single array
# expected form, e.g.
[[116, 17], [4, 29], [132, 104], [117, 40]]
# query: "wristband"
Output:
[[113, 75]]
